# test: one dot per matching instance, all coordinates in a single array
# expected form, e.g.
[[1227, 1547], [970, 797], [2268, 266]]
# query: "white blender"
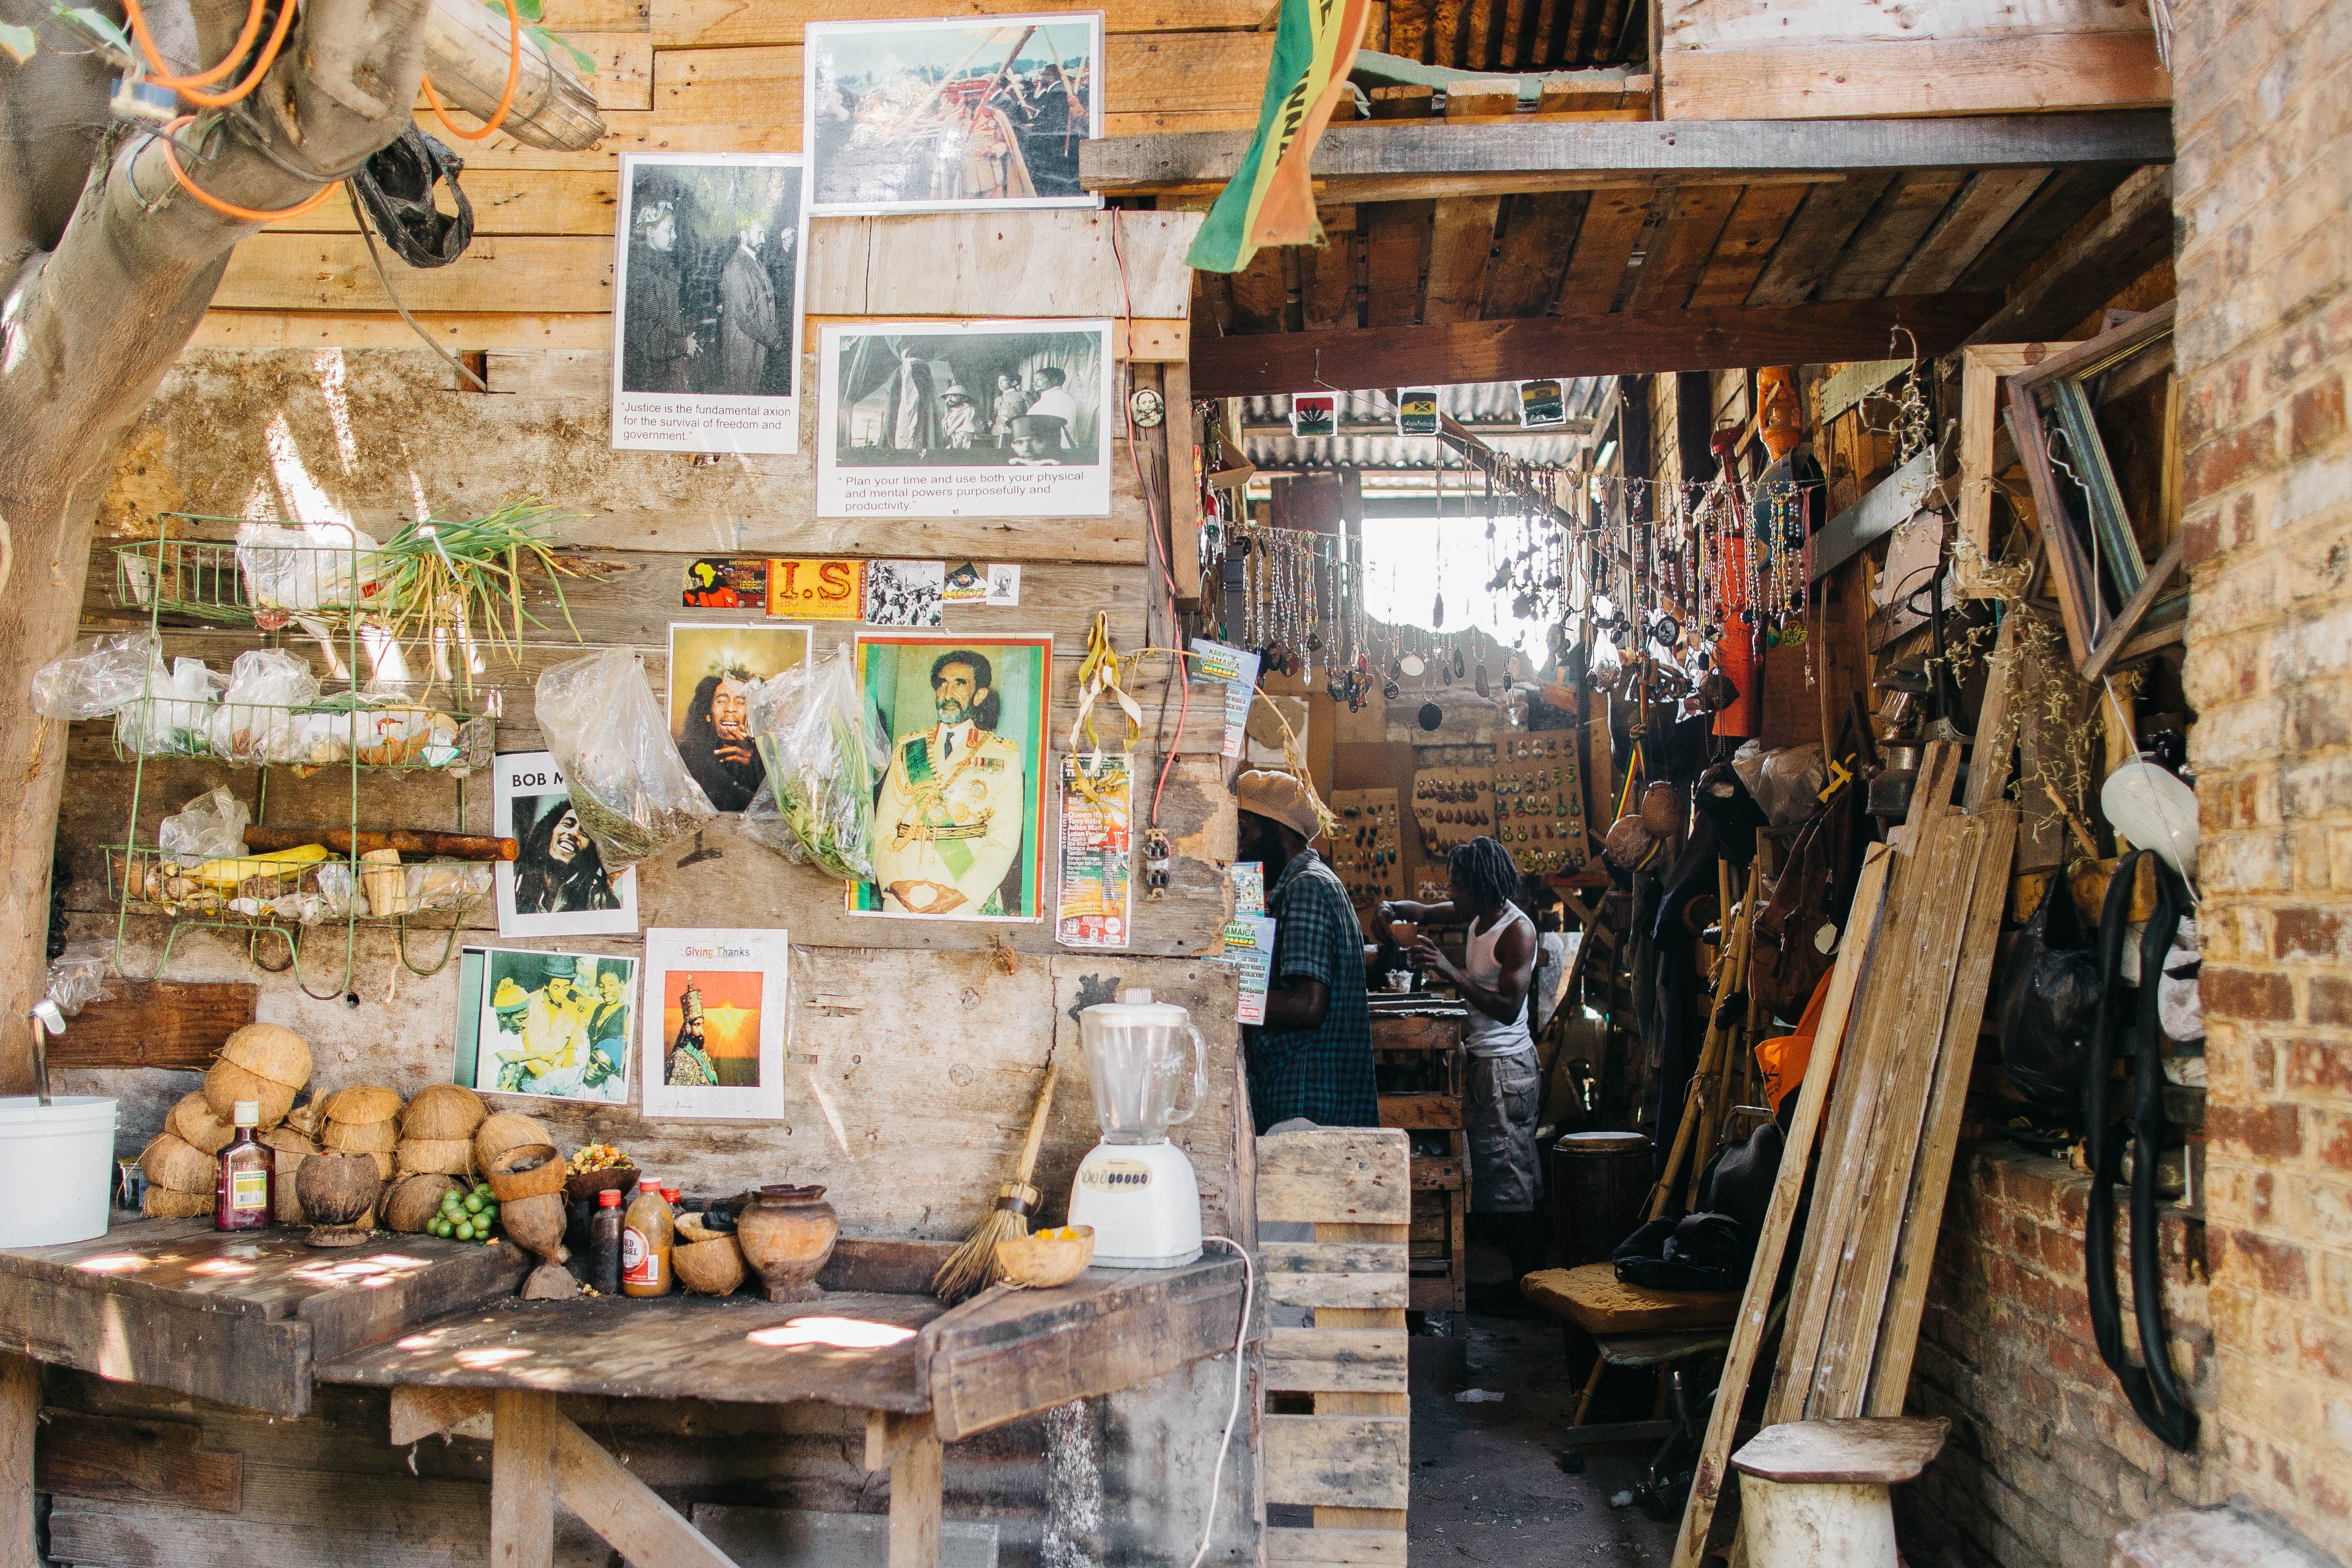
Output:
[[1135, 1188]]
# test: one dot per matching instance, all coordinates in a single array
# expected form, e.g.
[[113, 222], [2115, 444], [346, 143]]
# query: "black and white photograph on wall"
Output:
[[964, 419], [557, 884], [937, 116], [707, 302], [905, 592]]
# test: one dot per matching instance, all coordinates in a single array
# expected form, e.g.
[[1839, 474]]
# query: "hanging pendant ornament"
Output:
[[1412, 666], [1481, 680], [1437, 612], [1460, 666]]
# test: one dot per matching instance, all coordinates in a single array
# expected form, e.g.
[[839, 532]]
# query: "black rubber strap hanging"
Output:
[[2154, 1393], [396, 185]]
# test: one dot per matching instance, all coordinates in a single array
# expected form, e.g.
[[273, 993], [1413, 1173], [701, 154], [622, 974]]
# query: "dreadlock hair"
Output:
[[1487, 869]]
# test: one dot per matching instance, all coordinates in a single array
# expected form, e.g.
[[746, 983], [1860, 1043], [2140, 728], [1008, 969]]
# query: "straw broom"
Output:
[[973, 1267]]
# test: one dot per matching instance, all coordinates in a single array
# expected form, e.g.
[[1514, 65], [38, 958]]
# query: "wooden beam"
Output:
[[1892, 232], [630, 1515], [1889, 504], [1594, 344], [1461, 234], [2133, 236], [155, 1024], [1814, 238], [522, 1480], [2110, 648], [2014, 70], [1435, 149], [20, 1412], [915, 1494]]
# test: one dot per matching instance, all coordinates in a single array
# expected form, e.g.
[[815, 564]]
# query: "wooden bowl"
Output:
[[1042, 1262], [713, 1267], [526, 1171], [622, 1179]]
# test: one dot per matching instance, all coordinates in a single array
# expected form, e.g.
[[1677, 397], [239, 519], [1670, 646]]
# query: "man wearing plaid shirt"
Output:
[[1312, 1058]]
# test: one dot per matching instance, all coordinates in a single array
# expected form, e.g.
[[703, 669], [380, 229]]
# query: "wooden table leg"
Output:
[[20, 1412], [911, 1445], [522, 1481]]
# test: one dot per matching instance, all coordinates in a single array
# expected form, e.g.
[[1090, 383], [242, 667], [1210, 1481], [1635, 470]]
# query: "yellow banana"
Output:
[[229, 872]]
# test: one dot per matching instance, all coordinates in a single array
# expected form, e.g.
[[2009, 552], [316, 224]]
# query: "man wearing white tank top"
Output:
[[1495, 976]]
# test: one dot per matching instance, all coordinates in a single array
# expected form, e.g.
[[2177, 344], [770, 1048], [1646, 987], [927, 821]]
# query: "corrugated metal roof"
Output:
[[1367, 438]]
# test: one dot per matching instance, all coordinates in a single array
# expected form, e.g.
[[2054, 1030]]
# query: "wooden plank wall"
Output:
[[917, 1049], [1734, 59], [1337, 1345]]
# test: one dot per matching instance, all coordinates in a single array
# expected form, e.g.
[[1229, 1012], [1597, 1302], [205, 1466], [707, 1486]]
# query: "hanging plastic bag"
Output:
[[299, 571], [816, 806], [209, 827], [630, 788], [174, 717], [96, 677], [256, 722], [1787, 783], [77, 978], [2048, 996]]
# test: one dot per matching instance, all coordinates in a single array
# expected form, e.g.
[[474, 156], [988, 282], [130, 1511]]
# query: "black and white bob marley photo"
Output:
[[707, 303], [557, 886], [969, 419], [932, 116]]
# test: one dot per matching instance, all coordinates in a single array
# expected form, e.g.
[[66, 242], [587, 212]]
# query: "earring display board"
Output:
[[1452, 805], [1368, 847], [1539, 801]]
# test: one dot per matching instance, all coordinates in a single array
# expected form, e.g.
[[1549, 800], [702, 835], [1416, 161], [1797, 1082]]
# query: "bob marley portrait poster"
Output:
[[557, 885], [715, 1014], [553, 1024], [712, 668], [960, 815]]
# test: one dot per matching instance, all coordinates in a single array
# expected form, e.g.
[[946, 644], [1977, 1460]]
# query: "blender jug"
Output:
[[1146, 1063]]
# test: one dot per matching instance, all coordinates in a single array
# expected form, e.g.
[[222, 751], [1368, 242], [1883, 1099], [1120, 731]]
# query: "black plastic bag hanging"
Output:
[[396, 187], [2049, 995]]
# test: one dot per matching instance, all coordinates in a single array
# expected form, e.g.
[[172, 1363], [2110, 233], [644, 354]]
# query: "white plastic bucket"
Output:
[[58, 1161]]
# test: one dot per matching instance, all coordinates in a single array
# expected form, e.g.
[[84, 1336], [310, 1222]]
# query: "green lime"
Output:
[[465, 1230], [449, 1201], [473, 1203], [440, 1226], [490, 1214], [481, 1189]]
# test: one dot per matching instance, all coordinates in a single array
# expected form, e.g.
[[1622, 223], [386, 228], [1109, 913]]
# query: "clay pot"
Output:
[[536, 1224], [337, 1190], [787, 1234]]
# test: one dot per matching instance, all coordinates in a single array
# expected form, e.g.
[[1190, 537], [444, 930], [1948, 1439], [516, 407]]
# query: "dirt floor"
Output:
[[1486, 1482]]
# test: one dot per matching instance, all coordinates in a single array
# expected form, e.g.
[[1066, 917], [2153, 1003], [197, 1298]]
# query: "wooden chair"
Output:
[[1630, 1326], [1814, 1494]]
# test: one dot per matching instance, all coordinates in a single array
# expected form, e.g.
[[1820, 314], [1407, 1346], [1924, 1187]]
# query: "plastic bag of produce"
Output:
[[77, 978], [256, 722], [822, 758], [174, 717], [96, 677], [318, 566], [630, 788], [209, 827]]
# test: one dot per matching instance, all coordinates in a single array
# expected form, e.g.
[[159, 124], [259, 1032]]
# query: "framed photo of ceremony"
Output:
[[557, 884], [955, 114], [538, 1022], [964, 419], [712, 250], [717, 1006], [960, 813]]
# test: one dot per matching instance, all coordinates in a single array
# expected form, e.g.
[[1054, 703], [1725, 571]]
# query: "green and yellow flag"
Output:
[[1269, 201]]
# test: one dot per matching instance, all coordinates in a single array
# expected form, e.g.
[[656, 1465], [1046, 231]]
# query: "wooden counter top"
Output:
[[235, 1316]]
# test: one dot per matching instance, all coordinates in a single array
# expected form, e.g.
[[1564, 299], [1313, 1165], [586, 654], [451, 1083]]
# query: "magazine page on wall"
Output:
[[712, 252], [557, 885], [951, 115], [965, 419]]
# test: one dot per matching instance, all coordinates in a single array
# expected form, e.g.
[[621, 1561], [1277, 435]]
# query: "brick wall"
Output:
[[2046, 1460], [2263, 130]]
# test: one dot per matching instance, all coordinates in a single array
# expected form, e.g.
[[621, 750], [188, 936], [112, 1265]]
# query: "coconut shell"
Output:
[[361, 1137], [286, 1140], [175, 1162], [163, 1202], [443, 1111], [305, 1118], [272, 1051], [362, 1102], [504, 1132], [437, 1157], [384, 1169], [192, 1122], [410, 1202], [290, 1199], [226, 1083], [713, 1267]]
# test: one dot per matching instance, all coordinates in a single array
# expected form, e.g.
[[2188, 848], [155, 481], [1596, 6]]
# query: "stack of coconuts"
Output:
[[266, 1063], [435, 1155]]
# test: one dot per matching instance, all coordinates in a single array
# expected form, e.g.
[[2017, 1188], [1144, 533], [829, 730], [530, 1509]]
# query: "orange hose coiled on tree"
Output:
[[506, 100], [230, 209], [188, 86]]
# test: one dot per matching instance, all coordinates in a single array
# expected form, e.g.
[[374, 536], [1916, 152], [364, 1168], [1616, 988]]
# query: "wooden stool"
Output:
[[1815, 1493]]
